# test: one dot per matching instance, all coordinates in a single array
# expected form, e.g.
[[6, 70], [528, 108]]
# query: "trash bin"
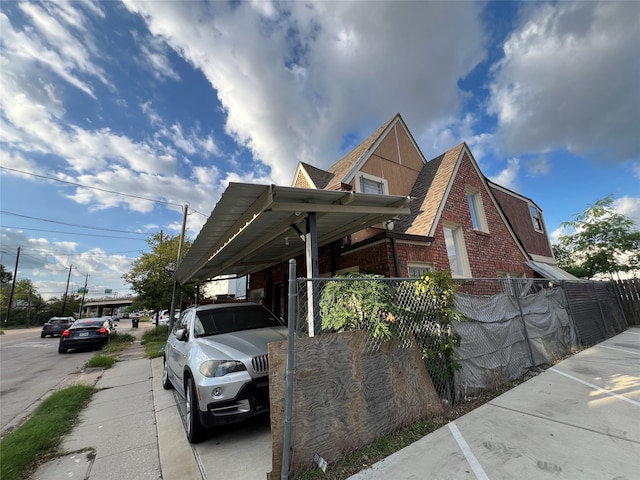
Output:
[[134, 322]]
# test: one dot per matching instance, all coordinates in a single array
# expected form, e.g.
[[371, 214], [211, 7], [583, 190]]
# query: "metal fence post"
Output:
[[602, 319], [526, 333], [288, 405]]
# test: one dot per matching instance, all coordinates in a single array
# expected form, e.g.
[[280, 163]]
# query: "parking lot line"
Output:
[[591, 385], [468, 454]]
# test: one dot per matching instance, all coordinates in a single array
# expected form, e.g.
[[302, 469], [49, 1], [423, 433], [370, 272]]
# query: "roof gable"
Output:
[[430, 193], [349, 163], [313, 177]]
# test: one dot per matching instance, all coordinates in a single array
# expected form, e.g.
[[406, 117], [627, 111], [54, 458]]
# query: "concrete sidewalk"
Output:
[[579, 419], [117, 435]]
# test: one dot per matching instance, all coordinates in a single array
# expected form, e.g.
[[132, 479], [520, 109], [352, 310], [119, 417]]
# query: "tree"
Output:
[[601, 241], [71, 306], [566, 262], [5, 277], [151, 274]]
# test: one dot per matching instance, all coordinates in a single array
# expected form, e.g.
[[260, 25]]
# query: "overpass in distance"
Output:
[[108, 303]]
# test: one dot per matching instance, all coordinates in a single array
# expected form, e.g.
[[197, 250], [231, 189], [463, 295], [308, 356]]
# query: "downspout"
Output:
[[396, 264]]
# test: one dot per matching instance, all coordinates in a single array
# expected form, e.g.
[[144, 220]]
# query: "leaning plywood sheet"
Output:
[[345, 397]]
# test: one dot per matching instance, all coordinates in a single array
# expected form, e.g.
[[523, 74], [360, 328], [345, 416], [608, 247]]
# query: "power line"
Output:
[[99, 189], [4, 212], [90, 188], [72, 233]]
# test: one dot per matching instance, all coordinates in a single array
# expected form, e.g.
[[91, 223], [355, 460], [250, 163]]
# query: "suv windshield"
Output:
[[226, 320]]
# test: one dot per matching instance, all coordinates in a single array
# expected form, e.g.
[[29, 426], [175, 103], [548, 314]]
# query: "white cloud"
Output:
[[293, 77], [47, 262], [507, 177], [569, 80], [538, 166], [629, 207]]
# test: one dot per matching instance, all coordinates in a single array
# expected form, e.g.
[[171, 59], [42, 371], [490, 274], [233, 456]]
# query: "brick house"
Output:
[[459, 221]]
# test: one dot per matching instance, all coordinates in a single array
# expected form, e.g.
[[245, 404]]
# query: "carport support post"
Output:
[[311, 256], [288, 398]]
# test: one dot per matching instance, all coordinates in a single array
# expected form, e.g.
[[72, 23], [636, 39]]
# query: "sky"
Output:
[[115, 115]]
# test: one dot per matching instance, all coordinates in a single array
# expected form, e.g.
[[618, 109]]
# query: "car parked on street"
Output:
[[87, 333], [216, 357], [163, 317], [55, 326]]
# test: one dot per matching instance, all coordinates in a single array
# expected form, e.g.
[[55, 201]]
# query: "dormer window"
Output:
[[370, 184], [536, 218]]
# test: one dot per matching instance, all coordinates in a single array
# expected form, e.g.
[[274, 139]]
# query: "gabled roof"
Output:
[[430, 192], [342, 167], [340, 174], [318, 177]]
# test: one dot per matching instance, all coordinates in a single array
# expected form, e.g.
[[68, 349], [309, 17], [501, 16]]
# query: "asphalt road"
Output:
[[30, 370]]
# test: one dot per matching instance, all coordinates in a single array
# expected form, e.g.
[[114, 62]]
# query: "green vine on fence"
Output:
[[422, 310], [360, 304]]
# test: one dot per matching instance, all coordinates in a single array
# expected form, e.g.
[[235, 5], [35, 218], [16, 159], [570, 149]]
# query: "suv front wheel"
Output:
[[195, 429]]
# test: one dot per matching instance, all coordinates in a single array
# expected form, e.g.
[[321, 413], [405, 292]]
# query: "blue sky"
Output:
[[153, 105]]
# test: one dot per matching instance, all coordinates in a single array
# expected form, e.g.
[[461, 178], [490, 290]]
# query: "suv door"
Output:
[[178, 349]]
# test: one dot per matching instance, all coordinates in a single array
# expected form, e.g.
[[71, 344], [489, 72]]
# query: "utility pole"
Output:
[[172, 310], [84, 292], [13, 287], [64, 304], [28, 307]]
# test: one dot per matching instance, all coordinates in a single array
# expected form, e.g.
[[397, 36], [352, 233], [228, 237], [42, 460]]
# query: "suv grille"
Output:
[[260, 363]]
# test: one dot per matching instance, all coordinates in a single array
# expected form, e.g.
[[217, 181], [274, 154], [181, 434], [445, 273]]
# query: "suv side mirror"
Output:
[[182, 334]]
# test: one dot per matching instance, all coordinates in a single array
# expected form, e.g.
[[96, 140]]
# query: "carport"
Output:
[[253, 227]]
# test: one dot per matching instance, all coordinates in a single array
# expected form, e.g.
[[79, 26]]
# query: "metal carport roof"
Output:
[[255, 226], [551, 272]]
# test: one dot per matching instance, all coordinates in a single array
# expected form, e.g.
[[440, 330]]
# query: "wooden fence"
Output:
[[629, 292]]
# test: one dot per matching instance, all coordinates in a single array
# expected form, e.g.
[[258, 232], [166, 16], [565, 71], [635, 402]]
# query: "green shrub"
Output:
[[357, 304]]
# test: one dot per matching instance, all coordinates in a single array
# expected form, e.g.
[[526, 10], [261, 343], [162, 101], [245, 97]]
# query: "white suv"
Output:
[[163, 317], [217, 359]]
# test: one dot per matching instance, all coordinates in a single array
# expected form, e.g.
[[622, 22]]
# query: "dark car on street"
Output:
[[55, 326], [93, 333]]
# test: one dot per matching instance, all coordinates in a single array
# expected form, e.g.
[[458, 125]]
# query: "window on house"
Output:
[[417, 270], [536, 218], [456, 252], [371, 184], [476, 209]]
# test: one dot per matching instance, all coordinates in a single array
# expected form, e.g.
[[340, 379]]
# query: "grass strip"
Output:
[[154, 339], [118, 343], [100, 361], [39, 436]]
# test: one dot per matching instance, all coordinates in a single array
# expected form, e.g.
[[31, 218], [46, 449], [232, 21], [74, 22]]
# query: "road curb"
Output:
[[177, 458]]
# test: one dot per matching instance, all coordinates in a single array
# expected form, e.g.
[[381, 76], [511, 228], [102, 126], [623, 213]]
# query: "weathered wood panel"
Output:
[[344, 396]]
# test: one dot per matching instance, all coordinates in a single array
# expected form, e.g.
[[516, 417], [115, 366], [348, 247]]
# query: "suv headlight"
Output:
[[219, 368]]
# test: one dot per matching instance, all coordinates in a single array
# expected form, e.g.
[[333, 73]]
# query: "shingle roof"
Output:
[[429, 193], [319, 177]]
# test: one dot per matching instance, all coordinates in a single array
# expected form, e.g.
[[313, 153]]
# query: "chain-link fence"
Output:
[[494, 331]]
